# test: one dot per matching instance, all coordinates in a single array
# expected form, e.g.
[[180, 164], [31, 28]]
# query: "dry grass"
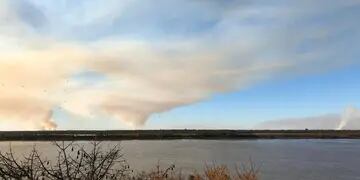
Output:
[[213, 172], [247, 173]]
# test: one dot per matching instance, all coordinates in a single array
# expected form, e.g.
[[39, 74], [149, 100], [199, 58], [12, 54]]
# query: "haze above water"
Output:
[[277, 159]]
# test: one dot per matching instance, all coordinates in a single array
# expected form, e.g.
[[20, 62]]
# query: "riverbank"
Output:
[[115, 135]]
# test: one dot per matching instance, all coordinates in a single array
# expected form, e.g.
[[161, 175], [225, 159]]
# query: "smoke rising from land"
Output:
[[348, 120], [44, 67]]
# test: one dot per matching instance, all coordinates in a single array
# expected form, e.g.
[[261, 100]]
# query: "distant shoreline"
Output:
[[114, 135]]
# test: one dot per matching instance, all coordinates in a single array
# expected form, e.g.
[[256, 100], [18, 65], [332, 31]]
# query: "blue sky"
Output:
[[175, 64], [289, 97]]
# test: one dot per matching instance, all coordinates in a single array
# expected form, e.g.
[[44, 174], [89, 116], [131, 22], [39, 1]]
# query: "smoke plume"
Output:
[[349, 120], [103, 73]]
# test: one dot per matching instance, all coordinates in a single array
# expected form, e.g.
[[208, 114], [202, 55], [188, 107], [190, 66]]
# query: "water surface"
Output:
[[277, 159]]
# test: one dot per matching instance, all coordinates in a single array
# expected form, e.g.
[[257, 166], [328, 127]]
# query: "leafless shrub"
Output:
[[75, 162], [247, 172], [211, 172], [159, 173], [214, 172], [72, 162]]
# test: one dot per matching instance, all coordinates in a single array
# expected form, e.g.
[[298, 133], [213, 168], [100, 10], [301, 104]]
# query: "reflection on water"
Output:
[[277, 159]]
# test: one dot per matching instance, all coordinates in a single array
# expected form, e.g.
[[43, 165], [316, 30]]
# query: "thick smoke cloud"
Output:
[[236, 46]]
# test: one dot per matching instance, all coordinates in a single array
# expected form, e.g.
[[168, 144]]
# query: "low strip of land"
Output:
[[175, 134]]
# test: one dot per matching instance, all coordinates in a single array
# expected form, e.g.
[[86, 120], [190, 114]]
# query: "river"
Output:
[[277, 159]]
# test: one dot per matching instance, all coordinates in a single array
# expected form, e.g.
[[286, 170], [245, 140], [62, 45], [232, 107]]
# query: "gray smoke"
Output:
[[349, 119]]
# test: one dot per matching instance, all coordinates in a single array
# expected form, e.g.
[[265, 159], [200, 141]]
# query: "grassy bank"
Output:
[[176, 134]]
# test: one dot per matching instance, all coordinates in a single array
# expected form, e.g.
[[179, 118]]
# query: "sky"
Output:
[[232, 64]]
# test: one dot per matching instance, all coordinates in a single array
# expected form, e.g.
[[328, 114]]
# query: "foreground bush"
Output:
[[214, 172], [76, 162]]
